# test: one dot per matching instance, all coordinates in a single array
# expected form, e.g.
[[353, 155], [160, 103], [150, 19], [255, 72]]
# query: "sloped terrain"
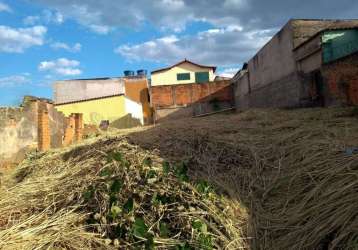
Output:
[[295, 171], [108, 194], [270, 179]]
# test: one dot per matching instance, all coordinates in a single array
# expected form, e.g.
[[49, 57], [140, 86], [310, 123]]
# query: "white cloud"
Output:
[[60, 45], [16, 40], [228, 72], [176, 14], [222, 47], [100, 29], [31, 20], [52, 17], [46, 17], [15, 80], [4, 7], [61, 66]]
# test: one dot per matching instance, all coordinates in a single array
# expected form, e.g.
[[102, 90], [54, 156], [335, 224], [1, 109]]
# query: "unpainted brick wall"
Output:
[[74, 129], [43, 133], [341, 79], [187, 94], [175, 101], [33, 125]]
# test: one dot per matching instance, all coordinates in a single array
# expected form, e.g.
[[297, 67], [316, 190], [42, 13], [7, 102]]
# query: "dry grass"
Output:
[[108, 193], [293, 172], [291, 169]]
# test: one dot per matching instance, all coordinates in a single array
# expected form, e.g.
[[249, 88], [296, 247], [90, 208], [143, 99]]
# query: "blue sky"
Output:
[[46, 40]]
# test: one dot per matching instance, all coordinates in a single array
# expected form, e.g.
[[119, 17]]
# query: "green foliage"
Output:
[[166, 168], [128, 206], [89, 193], [115, 156], [161, 199], [112, 199], [181, 172], [164, 230], [203, 187], [205, 241], [200, 226], [148, 162], [184, 246], [140, 229], [116, 186], [203, 238], [106, 172], [151, 174]]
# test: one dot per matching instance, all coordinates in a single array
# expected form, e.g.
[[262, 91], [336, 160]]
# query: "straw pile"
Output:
[[109, 195], [287, 180], [295, 171]]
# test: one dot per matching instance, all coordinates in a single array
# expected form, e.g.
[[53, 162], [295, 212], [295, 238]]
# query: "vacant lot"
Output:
[[279, 180]]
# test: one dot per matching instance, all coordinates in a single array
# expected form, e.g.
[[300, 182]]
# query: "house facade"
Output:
[[123, 102], [285, 71], [184, 72], [188, 89]]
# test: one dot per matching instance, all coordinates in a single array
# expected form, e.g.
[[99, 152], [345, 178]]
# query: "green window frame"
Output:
[[201, 77], [183, 76]]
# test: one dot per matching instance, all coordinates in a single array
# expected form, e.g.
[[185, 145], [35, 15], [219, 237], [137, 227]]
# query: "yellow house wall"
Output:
[[169, 77], [95, 111]]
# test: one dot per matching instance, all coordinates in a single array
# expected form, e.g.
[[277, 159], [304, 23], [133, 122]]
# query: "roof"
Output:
[[319, 33], [89, 99], [91, 79], [181, 62], [105, 78]]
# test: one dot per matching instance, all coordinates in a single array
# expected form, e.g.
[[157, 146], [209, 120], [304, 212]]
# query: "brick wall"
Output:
[[184, 95], [43, 132], [78, 127], [34, 125], [341, 81], [185, 100], [69, 136]]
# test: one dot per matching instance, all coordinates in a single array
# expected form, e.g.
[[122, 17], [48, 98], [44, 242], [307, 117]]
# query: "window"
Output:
[[183, 76], [201, 77]]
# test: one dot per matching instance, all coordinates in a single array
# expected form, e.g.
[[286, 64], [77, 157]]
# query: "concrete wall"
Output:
[[169, 77], [274, 61], [309, 55], [242, 91], [78, 90], [137, 91], [18, 133], [97, 110], [272, 79], [135, 109], [279, 75]]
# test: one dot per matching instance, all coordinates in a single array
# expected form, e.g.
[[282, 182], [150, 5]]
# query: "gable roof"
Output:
[[181, 62]]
